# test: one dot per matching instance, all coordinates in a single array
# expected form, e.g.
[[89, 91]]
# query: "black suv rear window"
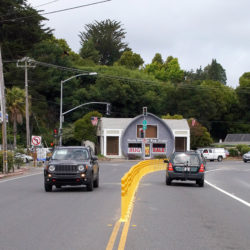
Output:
[[183, 158]]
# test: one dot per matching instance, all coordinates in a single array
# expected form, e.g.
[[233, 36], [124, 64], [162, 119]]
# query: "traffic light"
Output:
[[52, 144], [145, 111], [141, 133], [55, 132]]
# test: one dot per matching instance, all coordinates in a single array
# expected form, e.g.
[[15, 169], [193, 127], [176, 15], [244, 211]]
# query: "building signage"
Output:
[[159, 150], [134, 150]]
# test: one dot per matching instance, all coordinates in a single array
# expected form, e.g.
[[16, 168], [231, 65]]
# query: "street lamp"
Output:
[[61, 100]]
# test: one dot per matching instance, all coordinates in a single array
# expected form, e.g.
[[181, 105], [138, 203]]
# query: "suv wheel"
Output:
[[48, 187], [220, 158], [168, 181], [90, 185], [200, 183], [96, 181]]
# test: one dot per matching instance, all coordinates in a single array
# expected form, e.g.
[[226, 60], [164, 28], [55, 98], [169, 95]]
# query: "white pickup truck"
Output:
[[213, 153]]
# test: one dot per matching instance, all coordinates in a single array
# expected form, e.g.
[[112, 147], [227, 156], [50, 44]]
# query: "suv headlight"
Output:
[[81, 167], [52, 168]]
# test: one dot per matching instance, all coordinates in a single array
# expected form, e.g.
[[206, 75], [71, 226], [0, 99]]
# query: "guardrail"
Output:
[[131, 180]]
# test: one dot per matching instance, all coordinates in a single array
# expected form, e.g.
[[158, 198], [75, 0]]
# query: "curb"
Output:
[[16, 173]]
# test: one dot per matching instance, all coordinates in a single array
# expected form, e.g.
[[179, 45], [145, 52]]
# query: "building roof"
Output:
[[115, 123], [237, 138], [177, 124], [122, 123]]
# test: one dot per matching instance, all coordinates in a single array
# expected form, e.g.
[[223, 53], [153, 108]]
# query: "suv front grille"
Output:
[[66, 168]]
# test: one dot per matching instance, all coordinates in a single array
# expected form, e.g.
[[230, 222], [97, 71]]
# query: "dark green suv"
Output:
[[185, 166], [72, 166]]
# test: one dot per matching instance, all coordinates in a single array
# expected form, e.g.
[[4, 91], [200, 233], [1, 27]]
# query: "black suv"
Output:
[[185, 166], [72, 166]]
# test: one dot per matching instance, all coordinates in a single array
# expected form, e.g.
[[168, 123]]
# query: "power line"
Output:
[[46, 3], [56, 11], [187, 86]]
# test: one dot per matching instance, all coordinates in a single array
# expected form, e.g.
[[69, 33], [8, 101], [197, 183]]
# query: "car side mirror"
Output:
[[94, 158], [166, 161]]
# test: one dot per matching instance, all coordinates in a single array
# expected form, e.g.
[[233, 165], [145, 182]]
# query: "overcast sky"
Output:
[[194, 31]]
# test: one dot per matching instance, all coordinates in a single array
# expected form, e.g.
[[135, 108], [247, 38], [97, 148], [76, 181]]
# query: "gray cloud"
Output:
[[194, 31]]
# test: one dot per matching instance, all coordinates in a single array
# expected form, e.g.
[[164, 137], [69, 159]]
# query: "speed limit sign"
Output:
[[36, 140]]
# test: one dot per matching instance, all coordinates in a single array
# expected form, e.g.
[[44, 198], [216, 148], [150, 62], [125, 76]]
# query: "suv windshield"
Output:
[[70, 154], [186, 158]]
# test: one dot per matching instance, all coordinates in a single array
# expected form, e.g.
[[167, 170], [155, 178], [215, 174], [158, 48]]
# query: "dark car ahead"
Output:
[[185, 166], [72, 166]]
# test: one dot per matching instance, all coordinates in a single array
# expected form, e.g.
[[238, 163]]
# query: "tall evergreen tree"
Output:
[[215, 72], [107, 37], [20, 28]]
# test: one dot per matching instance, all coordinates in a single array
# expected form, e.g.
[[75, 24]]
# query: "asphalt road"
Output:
[[180, 216], [70, 218], [185, 216]]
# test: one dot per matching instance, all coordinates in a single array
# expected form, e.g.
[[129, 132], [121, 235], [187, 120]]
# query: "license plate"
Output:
[[187, 169]]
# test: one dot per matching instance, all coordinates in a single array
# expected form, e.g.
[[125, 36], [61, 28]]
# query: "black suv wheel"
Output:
[[48, 187], [96, 181], [90, 185], [200, 183], [168, 181]]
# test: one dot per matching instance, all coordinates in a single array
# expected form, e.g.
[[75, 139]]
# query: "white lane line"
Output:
[[213, 170], [12, 179], [228, 194]]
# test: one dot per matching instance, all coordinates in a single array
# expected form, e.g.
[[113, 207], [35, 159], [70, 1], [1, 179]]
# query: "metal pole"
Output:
[[61, 101], [27, 64], [4, 129], [27, 108], [61, 104]]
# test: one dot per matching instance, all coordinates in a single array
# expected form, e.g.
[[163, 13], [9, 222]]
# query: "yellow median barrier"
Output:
[[131, 180]]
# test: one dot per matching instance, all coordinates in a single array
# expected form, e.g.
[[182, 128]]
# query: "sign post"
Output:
[[35, 141]]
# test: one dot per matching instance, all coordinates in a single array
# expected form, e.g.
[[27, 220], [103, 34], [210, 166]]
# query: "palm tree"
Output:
[[15, 99]]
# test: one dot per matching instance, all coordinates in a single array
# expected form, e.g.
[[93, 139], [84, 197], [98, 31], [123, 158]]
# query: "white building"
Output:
[[120, 137]]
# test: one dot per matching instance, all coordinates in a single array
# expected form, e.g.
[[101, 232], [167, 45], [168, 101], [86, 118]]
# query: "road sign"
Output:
[[144, 122], [41, 154], [144, 127], [36, 140]]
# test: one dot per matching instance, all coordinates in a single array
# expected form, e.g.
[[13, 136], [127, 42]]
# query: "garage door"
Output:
[[180, 144], [112, 145]]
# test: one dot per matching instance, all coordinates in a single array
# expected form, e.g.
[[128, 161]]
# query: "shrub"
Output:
[[233, 152], [10, 158], [243, 148], [134, 157], [160, 156]]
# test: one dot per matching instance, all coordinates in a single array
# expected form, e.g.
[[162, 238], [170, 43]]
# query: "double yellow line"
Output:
[[129, 186], [124, 233]]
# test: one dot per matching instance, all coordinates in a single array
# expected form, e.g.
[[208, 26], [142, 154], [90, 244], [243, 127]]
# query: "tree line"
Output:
[[123, 80]]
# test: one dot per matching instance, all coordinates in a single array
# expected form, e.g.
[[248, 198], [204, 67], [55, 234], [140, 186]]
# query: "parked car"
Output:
[[213, 153], [246, 157], [72, 166], [185, 166], [24, 157]]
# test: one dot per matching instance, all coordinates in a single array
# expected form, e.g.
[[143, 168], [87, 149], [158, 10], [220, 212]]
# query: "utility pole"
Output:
[[3, 117], [27, 64]]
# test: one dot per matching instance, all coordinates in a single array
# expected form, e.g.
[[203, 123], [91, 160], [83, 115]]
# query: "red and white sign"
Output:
[[134, 150], [36, 140], [159, 150]]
